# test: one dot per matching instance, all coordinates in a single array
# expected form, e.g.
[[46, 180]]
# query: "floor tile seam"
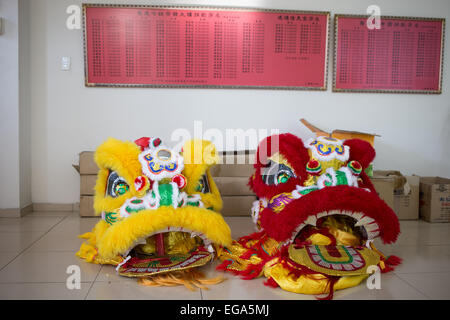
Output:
[[412, 286], [93, 282], [422, 272], [25, 249]]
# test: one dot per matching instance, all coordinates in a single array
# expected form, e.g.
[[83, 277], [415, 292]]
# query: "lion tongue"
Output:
[[160, 244]]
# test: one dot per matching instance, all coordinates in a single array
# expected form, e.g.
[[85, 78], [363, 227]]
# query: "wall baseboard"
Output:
[[37, 207], [28, 209], [10, 213], [16, 212]]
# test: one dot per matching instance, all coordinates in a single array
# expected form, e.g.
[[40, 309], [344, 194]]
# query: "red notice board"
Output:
[[404, 56], [152, 46]]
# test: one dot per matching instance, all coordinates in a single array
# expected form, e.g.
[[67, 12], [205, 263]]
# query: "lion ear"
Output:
[[360, 151], [292, 149], [291, 146]]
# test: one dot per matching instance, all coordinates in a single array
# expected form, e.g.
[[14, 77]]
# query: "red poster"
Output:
[[149, 46], [403, 55]]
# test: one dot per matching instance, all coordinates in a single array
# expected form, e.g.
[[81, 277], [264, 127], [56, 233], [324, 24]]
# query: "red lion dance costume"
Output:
[[317, 214]]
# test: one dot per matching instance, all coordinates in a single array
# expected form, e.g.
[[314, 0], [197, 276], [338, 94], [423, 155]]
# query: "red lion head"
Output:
[[317, 213], [282, 166]]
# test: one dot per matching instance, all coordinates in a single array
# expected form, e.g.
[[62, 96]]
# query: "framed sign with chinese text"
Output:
[[204, 47], [404, 55]]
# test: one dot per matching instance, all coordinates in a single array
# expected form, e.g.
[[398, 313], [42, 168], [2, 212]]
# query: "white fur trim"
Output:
[[255, 211], [141, 206], [122, 263], [156, 191], [332, 173], [330, 176], [296, 195], [257, 207], [368, 242], [352, 180], [175, 193]]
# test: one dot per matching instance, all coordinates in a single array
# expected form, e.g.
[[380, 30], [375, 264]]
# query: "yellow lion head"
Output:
[[159, 207]]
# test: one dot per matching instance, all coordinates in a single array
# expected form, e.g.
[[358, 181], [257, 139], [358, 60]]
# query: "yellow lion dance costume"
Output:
[[159, 211]]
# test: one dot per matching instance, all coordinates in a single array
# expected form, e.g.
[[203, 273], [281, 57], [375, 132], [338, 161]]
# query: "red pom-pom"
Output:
[[180, 180], [156, 142]]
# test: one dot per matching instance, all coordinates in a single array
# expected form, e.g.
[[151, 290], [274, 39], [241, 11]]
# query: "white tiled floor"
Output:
[[36, 250]]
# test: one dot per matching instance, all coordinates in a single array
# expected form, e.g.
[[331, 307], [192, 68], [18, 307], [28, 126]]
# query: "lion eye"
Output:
[[283, 177], [116, 185], [276, 173], [203, 185], [121, 188]]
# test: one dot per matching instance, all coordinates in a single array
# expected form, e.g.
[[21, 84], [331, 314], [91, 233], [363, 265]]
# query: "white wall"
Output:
[[24, 104], [15, 116], [9, 106], [67, 118]]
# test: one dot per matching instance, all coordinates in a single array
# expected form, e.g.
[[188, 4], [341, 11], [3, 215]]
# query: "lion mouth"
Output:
[[358, 224], [171, 240], [361, 210], [174, 248]]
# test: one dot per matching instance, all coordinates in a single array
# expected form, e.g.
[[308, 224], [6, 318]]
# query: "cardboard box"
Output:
[[232, 170], [384, 186], [87, 163], [435, 199], [87, 184], [400, 192], [87, 168], [398, 179], [237, 205], [234, 164], [341, 134], [87, 206], [233, 186], [231, 176], [237, 157], [406, 203]]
